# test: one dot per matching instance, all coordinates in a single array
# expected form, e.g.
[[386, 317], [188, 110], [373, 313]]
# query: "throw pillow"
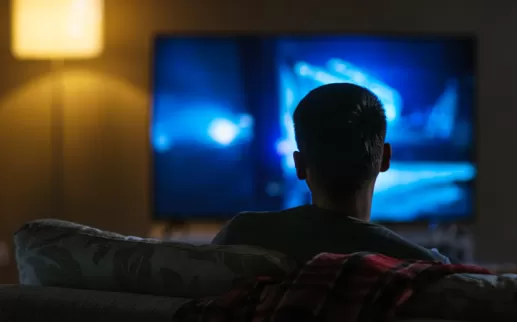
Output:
[[64, 254]]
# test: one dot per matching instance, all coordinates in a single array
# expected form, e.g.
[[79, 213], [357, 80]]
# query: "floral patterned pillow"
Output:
[[63, 254]]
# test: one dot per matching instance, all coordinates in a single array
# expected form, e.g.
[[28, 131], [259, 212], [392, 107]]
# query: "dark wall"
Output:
[[106, 100]]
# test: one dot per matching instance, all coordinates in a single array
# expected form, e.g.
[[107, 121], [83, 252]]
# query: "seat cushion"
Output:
[[28, 304], [64, 254]]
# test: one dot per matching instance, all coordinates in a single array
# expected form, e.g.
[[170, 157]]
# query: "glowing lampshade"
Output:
[[57, 29]]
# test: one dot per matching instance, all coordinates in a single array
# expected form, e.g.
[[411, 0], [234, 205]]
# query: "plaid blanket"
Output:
[[346, 288]]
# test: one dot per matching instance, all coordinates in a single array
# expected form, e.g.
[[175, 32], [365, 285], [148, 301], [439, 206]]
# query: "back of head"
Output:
[[340, 130]]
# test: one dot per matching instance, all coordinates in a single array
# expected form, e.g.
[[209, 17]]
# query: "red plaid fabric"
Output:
[[331, 288]]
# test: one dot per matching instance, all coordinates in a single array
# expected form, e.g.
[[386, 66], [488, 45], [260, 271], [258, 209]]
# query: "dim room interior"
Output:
[[111, 130]]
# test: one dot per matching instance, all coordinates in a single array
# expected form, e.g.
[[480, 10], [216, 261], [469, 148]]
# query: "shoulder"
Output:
[[242, 223], [252, 222], [264, 217], [403, 248]]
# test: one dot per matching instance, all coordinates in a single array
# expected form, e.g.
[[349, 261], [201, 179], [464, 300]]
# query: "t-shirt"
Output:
[[303, 232]]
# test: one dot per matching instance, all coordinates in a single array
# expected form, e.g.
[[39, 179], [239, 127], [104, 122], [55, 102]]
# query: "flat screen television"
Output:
[[222, 134]]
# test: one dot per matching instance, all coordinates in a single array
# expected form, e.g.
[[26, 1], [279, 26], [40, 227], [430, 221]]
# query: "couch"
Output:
[[71, 272]]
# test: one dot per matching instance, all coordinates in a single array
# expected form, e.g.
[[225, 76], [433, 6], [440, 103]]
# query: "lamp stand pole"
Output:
[[57, 139]]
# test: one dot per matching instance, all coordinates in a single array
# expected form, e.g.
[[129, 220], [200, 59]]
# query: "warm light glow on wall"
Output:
[[57, 29]]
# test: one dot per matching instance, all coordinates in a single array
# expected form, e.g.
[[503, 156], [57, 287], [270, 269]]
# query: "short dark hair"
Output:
[[340, 131]]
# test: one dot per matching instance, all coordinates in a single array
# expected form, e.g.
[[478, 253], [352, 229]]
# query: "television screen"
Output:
[[222, 133]]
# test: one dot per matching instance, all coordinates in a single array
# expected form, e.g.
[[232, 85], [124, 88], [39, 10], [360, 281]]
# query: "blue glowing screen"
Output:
[[222, 133]]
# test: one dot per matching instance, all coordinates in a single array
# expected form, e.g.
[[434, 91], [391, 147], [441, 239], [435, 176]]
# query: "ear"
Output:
[[386, 158], [300, 165]]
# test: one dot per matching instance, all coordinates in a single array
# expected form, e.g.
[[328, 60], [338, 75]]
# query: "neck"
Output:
[[357, 205]]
